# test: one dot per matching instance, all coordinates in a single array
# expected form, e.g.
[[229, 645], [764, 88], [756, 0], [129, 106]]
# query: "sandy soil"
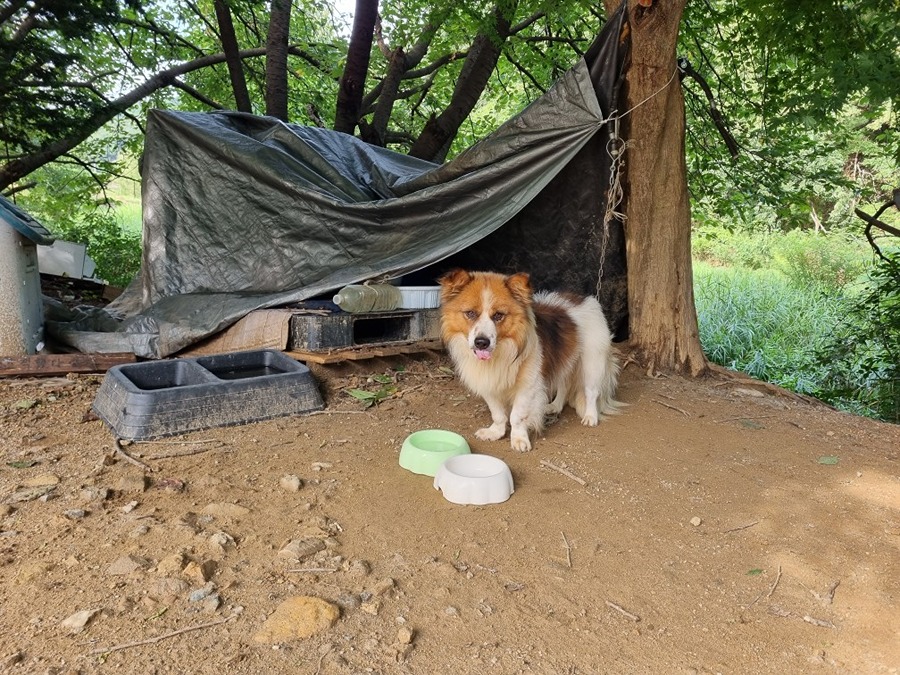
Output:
[[713, 527]]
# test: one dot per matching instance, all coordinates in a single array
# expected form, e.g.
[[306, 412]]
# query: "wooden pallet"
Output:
[[361, 353]]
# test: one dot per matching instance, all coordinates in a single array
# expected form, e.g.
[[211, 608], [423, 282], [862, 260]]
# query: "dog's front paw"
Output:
[[589, 420], [520, 442], [491, 433]]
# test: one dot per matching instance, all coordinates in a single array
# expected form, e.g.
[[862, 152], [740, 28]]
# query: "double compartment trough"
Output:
[[161, 398]]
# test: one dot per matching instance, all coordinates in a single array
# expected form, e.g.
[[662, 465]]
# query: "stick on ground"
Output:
[[159, 638], [568, 549], [623, 612], [564, 472], [120, 451]]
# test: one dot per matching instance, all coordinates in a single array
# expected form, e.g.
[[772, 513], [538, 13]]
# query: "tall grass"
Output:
[[806, 311], [758, 322]]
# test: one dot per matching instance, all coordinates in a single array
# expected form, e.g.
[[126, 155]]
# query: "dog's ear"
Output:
[[520, 287], [453, 282]]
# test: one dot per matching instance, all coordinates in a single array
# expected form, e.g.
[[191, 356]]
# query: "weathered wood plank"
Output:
[[61, 364]]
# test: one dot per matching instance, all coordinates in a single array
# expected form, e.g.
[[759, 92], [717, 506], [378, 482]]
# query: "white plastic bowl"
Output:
[[419, 297], [474, 479]]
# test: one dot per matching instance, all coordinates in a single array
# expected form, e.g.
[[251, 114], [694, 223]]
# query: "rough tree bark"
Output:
[[353, 79], [434, 141], [232, 57], [662, 315], [276, 59]]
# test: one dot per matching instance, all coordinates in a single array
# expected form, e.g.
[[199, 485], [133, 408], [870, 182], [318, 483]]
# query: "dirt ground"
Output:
[[712, 527]]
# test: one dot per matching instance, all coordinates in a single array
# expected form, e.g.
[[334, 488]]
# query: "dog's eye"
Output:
[[497, 317], [470, 314]]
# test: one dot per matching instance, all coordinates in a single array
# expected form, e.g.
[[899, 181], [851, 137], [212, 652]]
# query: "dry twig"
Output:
[[181, 453], [564, 472], [741, 527], [158, 442], [120, 451], [671, 407], [817, 622], [743, 417], [159, 638], [568, 549], [624, 612], [777, 579]]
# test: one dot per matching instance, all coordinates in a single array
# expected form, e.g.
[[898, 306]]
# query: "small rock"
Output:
[[298, 549], [75, 514], [169, 485], [451, 611], [749, 392], [41, 481], [291, 483], [384, 586], [696, 521], [15, 658], [128, 564], [131, 483], [168, 588], [31, 493], [371, 607], [77, 622], [200, 571], [129, 507], [221, 543], [202, 593], [93, 494], [172, 565], [405, 635], [6, 510], [347, 601], [211, 603], [359, 568], [33, 571], [139, 531], [298, 618]]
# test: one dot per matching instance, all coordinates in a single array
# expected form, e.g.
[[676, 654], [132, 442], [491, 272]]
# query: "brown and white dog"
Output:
[[527, 354]]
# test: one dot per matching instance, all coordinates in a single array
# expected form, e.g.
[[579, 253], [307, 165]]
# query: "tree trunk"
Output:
[[434, 141], [232, 57], [662, 315], [353, 79], [276, 59]]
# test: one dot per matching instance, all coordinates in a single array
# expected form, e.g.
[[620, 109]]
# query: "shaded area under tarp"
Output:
[[243, 212]]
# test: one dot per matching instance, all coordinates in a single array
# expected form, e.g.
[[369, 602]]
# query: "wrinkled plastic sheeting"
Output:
[[243, 212]]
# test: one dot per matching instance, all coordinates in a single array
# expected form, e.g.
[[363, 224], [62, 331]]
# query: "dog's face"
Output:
[[487, 308]]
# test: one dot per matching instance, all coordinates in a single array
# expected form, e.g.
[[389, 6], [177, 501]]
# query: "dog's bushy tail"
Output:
[[606, 401]]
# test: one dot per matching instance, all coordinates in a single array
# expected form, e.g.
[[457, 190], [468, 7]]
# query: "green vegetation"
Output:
[[810, 312]]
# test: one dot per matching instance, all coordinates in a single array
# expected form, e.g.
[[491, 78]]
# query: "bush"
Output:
[[825, 262], [861, 358], [116, 252], [738, 248]]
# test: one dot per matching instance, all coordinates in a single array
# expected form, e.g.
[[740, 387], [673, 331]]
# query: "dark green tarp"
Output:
[[242, 212]]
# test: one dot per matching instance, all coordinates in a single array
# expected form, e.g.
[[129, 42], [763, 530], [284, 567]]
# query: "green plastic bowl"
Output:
[[424, 451]]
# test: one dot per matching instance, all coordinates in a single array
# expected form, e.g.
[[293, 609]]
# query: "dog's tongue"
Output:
[[483, 354]]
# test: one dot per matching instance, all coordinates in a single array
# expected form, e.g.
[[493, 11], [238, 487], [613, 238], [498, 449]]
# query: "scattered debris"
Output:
[[623, 612]]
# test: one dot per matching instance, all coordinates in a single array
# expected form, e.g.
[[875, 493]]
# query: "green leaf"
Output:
[[362, 394], [828, 459], [23, 464], [754, 572]]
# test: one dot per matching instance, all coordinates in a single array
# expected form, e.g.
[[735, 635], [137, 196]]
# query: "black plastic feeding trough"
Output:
[[162, 398]]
